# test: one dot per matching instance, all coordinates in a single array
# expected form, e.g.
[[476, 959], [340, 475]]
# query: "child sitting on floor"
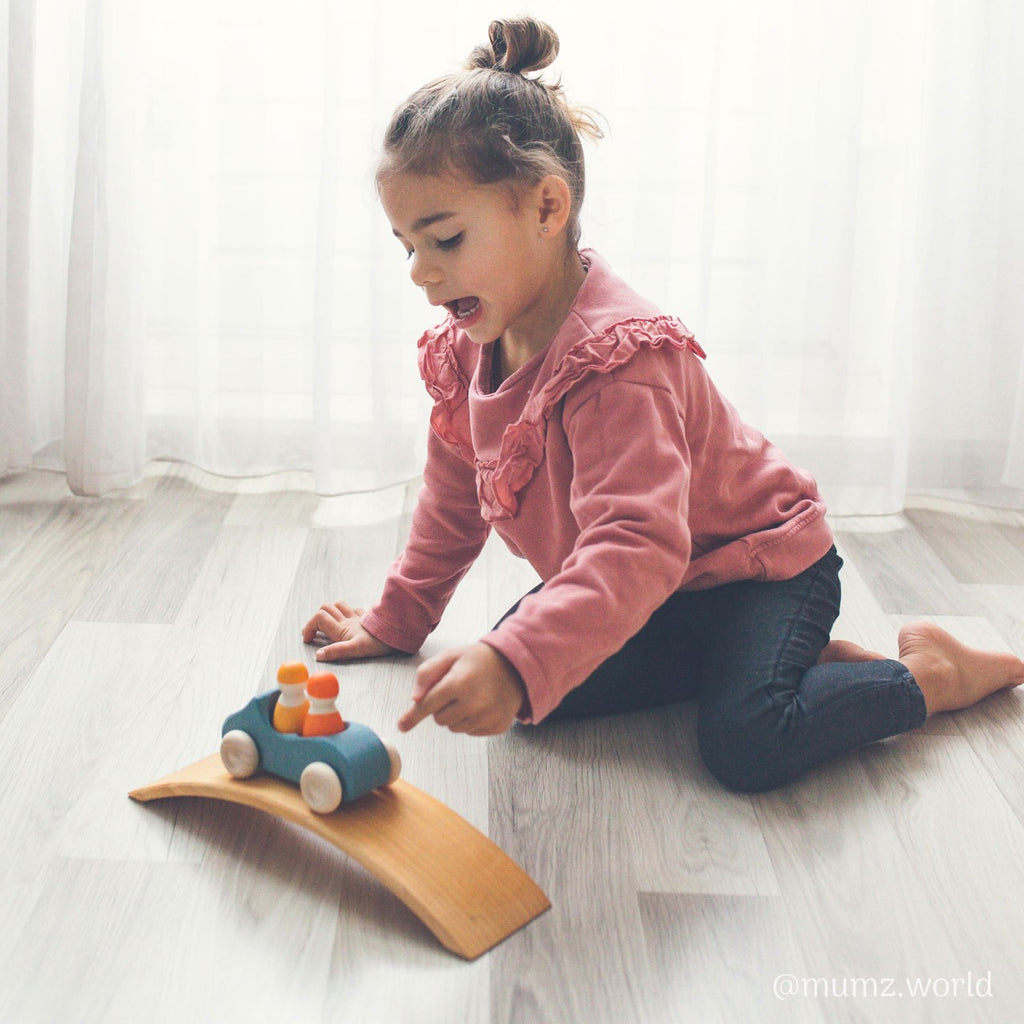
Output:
[[681, 554]]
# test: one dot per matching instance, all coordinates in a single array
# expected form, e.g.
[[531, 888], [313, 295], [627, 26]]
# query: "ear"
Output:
[[553, 204]]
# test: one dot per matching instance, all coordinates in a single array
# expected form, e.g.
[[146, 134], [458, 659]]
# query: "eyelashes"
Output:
[[444, 244]]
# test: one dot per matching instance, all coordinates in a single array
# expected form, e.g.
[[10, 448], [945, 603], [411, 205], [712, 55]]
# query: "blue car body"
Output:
[[357, 753]]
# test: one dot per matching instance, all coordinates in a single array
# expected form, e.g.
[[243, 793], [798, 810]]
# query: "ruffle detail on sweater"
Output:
[[499, 481], [448, 386]]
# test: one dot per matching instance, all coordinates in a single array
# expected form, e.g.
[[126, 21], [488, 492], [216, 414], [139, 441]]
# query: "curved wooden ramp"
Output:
[[465, 889]]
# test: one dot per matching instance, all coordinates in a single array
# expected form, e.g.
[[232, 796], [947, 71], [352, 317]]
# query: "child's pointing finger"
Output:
[[411, 718], [424, 701], [422, 708]]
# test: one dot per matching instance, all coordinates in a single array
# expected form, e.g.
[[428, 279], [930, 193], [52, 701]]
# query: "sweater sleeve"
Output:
[[445, 538], [629, 497]]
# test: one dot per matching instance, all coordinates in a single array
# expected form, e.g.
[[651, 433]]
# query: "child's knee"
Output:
[[744, 759]]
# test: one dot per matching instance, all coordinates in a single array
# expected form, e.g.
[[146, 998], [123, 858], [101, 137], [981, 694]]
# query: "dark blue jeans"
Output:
[[748, 653]]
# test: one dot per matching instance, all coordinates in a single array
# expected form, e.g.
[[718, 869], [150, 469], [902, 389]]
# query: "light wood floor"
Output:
[[131, 626]]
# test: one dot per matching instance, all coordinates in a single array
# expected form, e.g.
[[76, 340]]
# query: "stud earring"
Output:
[[545, 230]]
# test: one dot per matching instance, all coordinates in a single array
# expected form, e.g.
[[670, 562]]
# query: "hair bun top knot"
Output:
[[517, 45]]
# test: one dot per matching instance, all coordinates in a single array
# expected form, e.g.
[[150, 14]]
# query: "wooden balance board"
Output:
[[463, 887]]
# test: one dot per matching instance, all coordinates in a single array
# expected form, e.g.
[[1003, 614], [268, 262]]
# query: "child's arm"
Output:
[[446, 535], [629, 497], [445, 538], [343, 626], [471, 689]]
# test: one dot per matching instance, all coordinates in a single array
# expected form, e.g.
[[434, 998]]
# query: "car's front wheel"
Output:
[[395, 761], [320, 787], [239, 753]]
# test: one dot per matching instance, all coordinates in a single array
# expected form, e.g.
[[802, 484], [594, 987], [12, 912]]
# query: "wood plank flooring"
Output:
[[886, 886]]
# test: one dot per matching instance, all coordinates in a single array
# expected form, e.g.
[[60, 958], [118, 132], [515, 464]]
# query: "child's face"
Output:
[[477, 252]]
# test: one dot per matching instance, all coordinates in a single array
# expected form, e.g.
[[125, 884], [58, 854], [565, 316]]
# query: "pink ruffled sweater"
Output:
[[612, 463]]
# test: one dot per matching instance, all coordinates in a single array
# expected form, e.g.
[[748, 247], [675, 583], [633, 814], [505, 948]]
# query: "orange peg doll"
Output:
[[323, 718], [292, 706]]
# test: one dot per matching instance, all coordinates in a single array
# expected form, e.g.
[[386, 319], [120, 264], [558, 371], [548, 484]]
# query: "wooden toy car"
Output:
[[327, 769]]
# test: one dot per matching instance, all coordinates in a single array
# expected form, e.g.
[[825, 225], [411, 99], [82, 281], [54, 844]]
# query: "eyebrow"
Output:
[[425, 222]]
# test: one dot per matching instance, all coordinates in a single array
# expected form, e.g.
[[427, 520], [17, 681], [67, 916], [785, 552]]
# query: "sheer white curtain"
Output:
[[194, 266]]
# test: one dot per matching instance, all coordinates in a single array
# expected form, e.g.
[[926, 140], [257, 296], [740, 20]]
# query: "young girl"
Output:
[[682, 555]]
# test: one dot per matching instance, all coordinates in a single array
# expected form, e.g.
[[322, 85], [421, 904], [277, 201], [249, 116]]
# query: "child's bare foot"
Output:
[[950, 674], [847, 651]]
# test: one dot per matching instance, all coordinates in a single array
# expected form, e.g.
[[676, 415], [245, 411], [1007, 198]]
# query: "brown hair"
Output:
[[492, 123]]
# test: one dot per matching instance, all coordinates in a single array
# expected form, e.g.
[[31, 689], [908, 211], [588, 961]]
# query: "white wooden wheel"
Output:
[[395, 758], [320, 787], [239, 753]]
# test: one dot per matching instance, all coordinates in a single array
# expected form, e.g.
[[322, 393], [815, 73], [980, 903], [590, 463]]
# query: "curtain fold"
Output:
[[193, 264], [103, 427], [16, 147]]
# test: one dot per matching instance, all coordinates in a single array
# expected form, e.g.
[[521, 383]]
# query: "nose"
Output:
[[424, 270]]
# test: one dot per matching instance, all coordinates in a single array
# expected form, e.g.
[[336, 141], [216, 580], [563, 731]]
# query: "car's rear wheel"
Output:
[[320, 787], [239, 753]]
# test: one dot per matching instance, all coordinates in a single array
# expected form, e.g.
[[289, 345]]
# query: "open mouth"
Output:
[[464, 308]]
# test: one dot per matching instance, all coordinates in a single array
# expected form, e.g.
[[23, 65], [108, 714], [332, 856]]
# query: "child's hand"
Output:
[[470, 689], [343, 625]]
